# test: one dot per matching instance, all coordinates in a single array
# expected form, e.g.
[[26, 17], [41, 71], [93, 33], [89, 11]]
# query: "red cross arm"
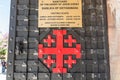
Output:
[[48, 51], [72, 51], [64, 51], [76, 51], [42, 51], [59, 32]]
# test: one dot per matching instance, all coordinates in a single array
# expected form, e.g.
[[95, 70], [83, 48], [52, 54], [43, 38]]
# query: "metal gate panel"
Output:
[[24, 62]]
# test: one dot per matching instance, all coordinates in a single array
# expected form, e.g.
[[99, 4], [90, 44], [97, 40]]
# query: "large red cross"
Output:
[[60, 51]]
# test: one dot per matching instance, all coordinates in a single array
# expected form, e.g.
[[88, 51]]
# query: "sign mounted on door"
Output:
[[60, 13]]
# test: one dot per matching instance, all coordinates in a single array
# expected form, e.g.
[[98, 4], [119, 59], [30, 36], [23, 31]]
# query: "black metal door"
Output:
[[24, 62]]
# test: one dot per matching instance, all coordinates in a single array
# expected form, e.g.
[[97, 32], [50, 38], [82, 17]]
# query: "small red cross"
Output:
[[49, 61], [70, 40], [70, 61], [49, 40]]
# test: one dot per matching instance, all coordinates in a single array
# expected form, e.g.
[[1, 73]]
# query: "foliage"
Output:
[[3, 44], [3, 51]]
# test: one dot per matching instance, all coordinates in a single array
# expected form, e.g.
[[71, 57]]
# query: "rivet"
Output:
[[23, 75], [13, 6], [34, 76], [35, 63], [69, 75], [30, 69], [10, 51], [24, 64], [12, 17], [83, 62], [11, 28], [9, 75], [59, 75], [11, 39], [10, 63], [93, 76], [95, 62], [25, 19], [46, 76], [83, 75]]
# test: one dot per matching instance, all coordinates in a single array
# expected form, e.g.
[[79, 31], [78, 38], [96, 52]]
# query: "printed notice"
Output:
[[60, 13]]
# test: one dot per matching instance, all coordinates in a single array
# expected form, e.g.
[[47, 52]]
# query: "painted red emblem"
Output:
[[59, 51]]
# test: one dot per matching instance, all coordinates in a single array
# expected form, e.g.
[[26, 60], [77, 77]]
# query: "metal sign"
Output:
[[60, 13]]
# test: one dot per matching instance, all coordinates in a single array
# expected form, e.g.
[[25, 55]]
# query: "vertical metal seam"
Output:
[[28, 5], [106, 39], [12, 32]]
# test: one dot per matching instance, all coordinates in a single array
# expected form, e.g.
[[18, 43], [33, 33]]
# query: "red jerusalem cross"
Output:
[[60, 51]]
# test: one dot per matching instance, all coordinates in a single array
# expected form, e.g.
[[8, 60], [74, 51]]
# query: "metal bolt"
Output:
[[69, 75], [30, 69], [95, 62], [83, 62], [23, 75], [13, 6], [46, 76], [10, 63], [93, 75], [12, 17], [26, 19], [9, 75], [59, 75], [11, 39], [10, 51], [24, 64], [83, 75], [11, 28]]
